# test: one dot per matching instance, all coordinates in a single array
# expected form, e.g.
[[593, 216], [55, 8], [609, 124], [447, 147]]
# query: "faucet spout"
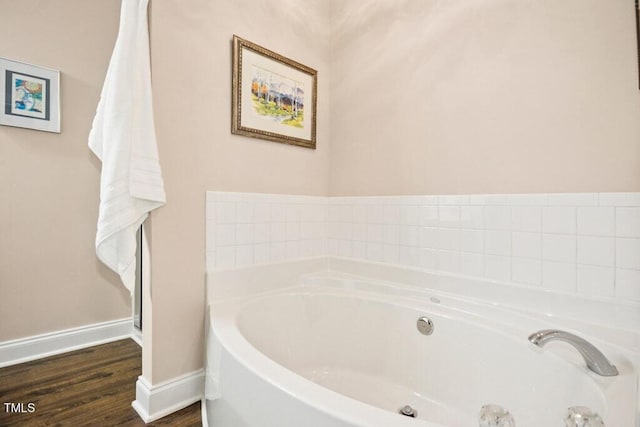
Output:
[[595, 360]]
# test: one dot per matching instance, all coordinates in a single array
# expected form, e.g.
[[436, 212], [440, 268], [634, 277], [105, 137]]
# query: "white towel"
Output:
[[124, 139]]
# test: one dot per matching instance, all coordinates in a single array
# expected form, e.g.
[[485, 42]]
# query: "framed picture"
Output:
[[274, 97], [30, 95]]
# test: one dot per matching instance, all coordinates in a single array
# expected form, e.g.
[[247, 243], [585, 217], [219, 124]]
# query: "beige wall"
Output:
[[484, 96], [426, 97], [50, 278], [191, 62]]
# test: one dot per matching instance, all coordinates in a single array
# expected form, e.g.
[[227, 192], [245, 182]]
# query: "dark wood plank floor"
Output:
[[89, 387]]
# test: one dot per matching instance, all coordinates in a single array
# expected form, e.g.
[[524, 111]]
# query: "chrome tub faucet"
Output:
[[595, 360]]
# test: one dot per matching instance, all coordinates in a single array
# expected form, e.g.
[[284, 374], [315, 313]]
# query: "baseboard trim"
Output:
[[203, 412], [39, 346], [156, 401], [136, 335]]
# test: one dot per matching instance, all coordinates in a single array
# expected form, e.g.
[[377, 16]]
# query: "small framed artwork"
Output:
[[30, 95], [274, 97]]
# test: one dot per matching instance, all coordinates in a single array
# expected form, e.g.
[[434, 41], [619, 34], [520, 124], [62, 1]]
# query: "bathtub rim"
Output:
[[621, 340], [223, 285], [321, 398], [227, 330], [606, 319]]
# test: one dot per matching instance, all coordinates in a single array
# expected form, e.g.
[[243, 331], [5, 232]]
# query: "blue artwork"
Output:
[[28, 95]]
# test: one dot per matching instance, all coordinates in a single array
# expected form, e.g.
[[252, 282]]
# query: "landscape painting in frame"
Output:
[[274, 97], [31, 96]]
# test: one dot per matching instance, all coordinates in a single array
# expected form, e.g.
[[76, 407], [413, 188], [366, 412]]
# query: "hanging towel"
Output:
[[123, 138]]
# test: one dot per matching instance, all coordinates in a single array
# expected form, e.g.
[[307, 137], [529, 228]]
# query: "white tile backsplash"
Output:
[[277, 212], [409, 256], [472, 264], [448, 239], [572, 199], [627, 284], [429, 216], [374, 233], [596, 251], [293, 231], [472, 241], [244, 234], [627, 222], [225, 257], [526, 270], [472, 217], [261, 253], [359, 232], [528, 245], [262, 212], [409, 215], [244, 255], [375, 214], [408, 235], [359, 250], [559, 220], [584, 243], [278, 251], [596, 221], [293, 249], [292, 213], [428, 258], [449, 261], [497, 242], [245, 212], [278, 232], [374, 251], [560, 248], [428, 237], [449, 216], [497, 267], [261, 232], [559, 276], [628, 253], [225, 234], [225, 212], [526, 218], [619, 199], [596, 281], [248, 228], [391, 214], [453, 200], [391, 234], [390, 253], [497, 217]]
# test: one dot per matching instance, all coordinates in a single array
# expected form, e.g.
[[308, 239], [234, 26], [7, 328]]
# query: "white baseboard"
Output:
[[203, 412], [156, 401], [39, 346], [136, 335]]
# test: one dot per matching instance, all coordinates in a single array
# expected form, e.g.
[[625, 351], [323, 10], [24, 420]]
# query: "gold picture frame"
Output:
[[273, 97]]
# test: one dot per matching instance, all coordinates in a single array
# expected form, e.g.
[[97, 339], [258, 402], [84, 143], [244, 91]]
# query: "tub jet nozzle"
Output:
[[425, 325], [408, 411]]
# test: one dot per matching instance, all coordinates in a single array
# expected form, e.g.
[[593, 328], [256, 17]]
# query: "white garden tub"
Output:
[[337, 352]]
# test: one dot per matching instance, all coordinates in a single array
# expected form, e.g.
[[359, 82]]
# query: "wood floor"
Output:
[[89, 387]]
